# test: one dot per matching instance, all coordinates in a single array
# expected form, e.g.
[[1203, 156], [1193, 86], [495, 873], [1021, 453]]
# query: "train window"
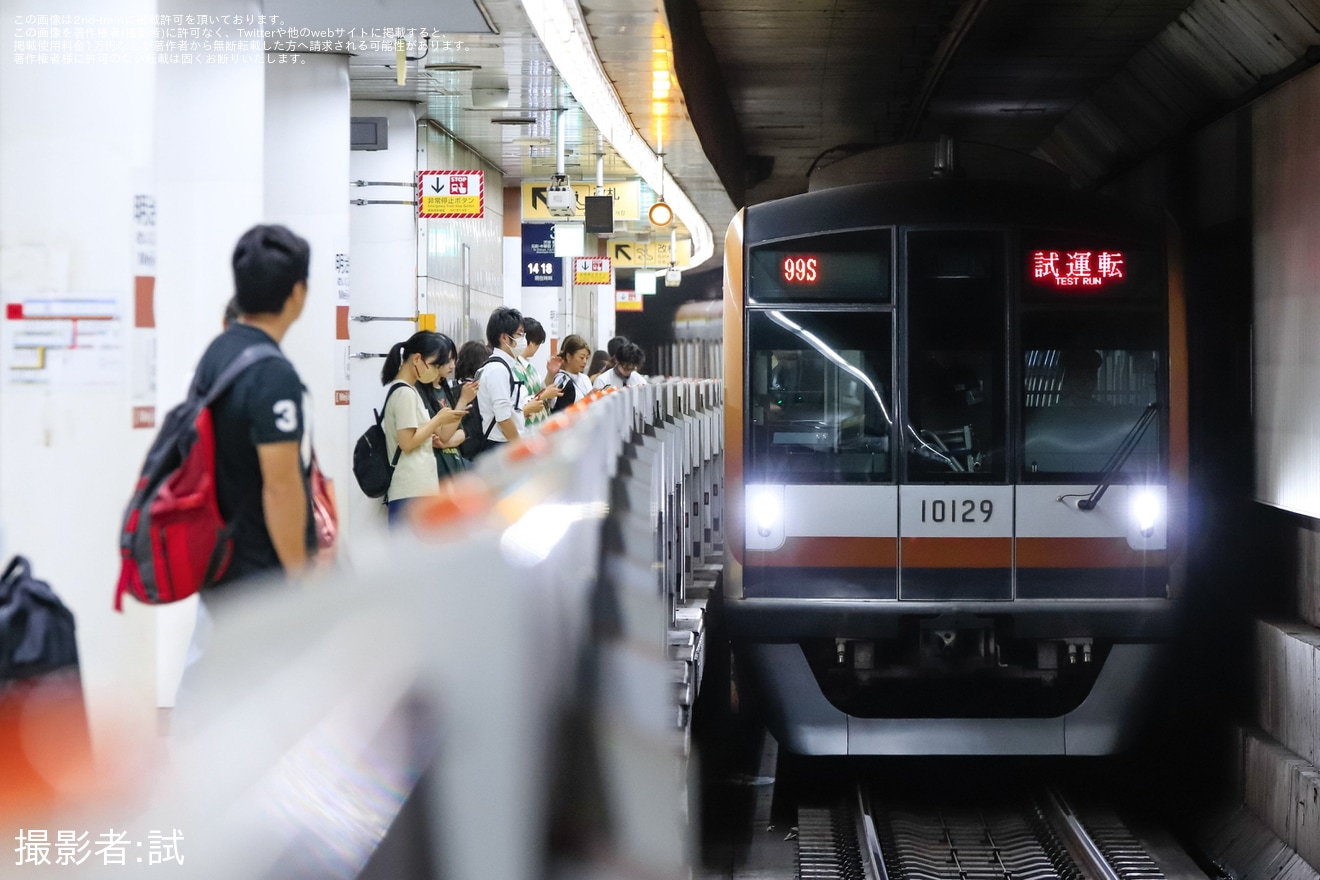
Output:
[[819, 389], [956, 329], [839, 267], [1087, 382]]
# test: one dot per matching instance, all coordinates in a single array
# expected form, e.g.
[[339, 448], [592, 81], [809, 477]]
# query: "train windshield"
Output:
[[820, 396], [1088, 380]]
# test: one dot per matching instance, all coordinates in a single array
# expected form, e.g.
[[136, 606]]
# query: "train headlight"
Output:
[[767, 512], [1146, 508], [765, 517]]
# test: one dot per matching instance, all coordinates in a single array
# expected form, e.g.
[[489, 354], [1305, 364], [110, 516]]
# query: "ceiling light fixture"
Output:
[[452, 65], [559, 25], [514, 120], [660, 214]]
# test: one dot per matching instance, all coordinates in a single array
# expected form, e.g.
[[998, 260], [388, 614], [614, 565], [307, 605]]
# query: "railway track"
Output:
[[1037, 836]]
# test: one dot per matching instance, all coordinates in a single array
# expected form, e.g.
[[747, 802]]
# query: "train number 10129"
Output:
[[957, 510]]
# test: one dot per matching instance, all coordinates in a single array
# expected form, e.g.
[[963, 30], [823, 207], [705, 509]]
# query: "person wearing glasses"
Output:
[[628, 361], [409, 427]]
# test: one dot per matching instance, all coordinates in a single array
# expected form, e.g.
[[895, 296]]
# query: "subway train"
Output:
[[956, 458]]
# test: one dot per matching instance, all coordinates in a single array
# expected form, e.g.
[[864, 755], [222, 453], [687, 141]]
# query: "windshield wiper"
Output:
[[1121, 454]]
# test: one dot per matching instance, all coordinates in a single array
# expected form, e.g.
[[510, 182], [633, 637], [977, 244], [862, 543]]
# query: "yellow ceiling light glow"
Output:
[[660, 214], [567, 40]]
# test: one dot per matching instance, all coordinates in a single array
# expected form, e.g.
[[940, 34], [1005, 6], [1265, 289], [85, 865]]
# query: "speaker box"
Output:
[[600, 215]]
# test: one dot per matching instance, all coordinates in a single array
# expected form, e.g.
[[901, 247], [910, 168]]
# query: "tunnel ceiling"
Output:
[[1086, 84]]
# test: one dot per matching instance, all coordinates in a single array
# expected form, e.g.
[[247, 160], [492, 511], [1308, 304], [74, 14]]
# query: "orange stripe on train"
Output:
[[1084, 553], [957, 552], [828, 553]]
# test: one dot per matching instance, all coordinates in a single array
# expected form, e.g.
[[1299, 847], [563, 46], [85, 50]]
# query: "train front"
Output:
[[956, 466]]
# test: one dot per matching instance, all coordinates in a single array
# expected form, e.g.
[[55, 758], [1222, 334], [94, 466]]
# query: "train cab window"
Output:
[[1088, 381], [819, 388], [955, 426]]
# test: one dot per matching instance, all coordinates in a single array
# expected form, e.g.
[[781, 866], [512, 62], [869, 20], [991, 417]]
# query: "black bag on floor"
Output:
[[36, 630]]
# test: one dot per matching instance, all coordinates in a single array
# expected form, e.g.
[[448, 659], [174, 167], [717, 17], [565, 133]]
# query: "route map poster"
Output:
[[63, 339]]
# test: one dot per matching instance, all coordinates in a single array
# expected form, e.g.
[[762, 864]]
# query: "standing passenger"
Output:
[[537, 410], [440, 395], [500, 397], [408, 428], [261, 478], [629, 359], [600, 362], [573, 380], [470, 358]]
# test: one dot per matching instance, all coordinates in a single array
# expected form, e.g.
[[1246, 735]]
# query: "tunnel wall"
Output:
[[1286, 232]]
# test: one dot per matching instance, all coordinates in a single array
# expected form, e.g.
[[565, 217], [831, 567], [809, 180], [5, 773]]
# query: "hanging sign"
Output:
[[540, 266], [627, 195], [591, 270], [445, 195], [629, 254]]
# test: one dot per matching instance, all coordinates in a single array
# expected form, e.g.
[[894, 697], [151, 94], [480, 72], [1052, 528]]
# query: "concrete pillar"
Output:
[[307, 190], [382, 282], [208, 182]]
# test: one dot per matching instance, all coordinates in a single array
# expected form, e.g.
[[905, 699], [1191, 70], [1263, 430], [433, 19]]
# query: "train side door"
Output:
[[955, 505]]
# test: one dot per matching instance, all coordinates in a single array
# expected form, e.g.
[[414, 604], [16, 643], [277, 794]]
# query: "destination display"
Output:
[[1060, 266], [844, 267]]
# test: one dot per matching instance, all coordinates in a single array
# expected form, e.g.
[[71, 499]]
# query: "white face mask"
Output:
[[520, 345]]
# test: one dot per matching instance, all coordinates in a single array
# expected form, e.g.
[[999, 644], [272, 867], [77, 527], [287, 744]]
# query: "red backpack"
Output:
[[173, 541]]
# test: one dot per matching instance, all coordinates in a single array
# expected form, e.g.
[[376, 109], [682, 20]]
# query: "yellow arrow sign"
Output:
[[627, 199], [629, 254]]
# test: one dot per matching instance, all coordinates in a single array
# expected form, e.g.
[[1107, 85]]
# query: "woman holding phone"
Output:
[[444, 393], [410, 432]]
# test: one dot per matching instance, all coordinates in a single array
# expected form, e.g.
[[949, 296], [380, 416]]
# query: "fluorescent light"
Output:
[[564, 34], [644, 281]]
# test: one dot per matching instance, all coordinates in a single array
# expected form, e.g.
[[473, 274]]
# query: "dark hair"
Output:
[[502, 321], [630, 353], [470, 358], [613, 346], [268, 262], [424, 342], [448, 351], [231, 312], [535, 332], [598, 362], [571, 345]]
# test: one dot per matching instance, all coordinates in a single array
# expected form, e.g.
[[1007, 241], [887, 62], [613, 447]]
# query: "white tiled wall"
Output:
[[446, 239]]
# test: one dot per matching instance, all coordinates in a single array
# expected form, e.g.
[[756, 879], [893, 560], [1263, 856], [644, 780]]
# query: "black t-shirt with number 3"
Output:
[[264, 405]]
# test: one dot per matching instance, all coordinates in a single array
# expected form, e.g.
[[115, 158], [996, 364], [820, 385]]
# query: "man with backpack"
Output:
[[501, 395], [261, 479]]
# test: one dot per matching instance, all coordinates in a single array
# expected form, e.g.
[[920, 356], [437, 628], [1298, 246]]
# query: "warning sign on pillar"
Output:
[[445, 195], [591, 270], [627, 301]]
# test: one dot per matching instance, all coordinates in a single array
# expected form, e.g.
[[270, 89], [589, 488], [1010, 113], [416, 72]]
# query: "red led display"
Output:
[[1077, 268], [800, 268]]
